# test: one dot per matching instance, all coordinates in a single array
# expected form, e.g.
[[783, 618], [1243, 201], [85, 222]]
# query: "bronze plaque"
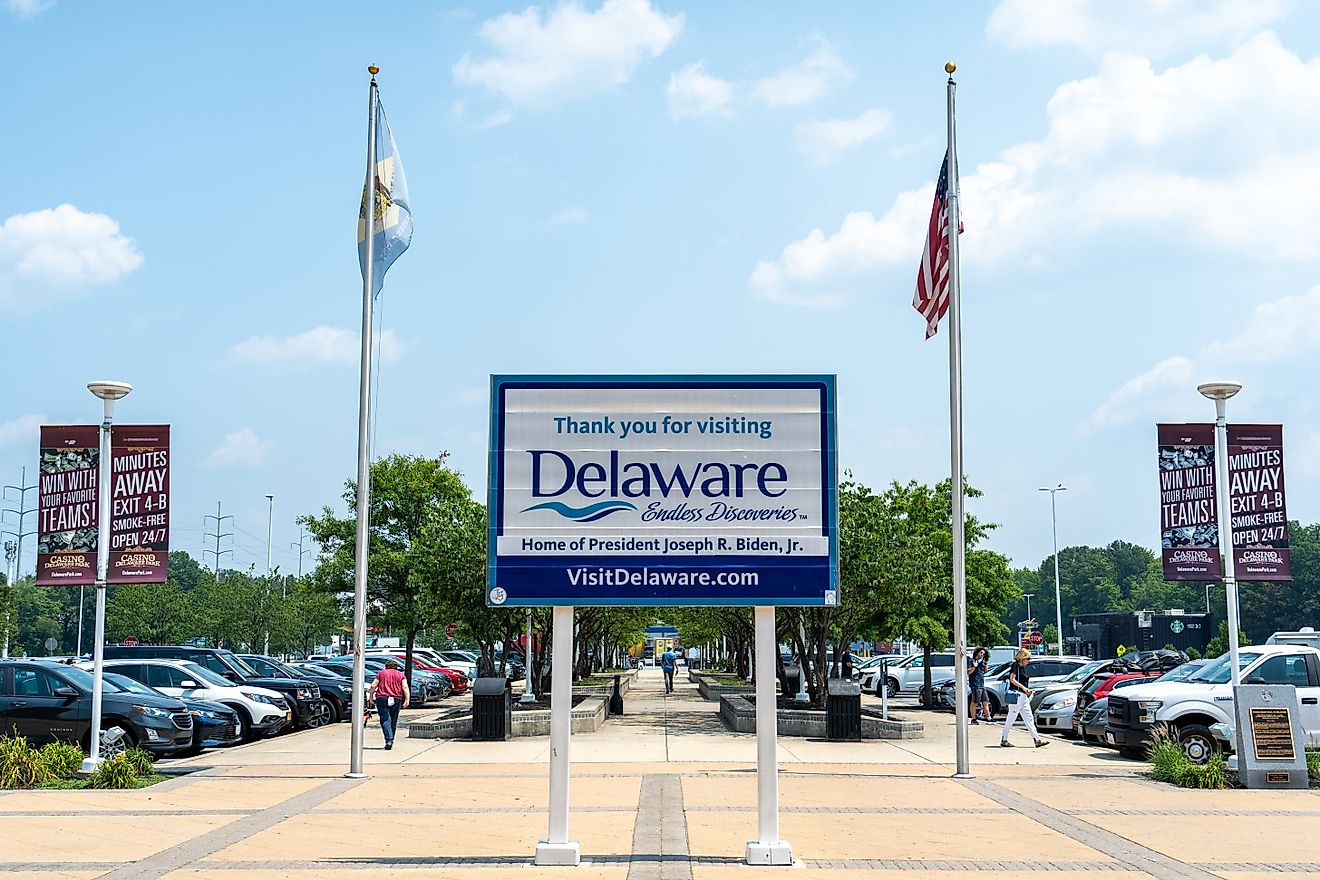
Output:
[[1272, 734], [1281, 777]]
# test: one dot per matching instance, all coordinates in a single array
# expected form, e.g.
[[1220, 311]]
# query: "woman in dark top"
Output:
[[1018, 697], [976, 670]]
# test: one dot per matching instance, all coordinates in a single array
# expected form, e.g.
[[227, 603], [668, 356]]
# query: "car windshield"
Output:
[[124, 683], [83, 679], [1182, 673], [1079, 674], [1218, 671], [1091, 686], [287, 669], [202, 674], [237, 662], [317, 669], [1002, 668]]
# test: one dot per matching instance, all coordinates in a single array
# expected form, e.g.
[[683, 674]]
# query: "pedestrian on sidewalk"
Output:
[[667, 663], [976, 670], [847, 662], [389, 691], [1018, 695]]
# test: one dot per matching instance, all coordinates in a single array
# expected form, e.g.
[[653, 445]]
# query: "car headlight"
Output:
[[304, 694], [1063, 703], [1147, 710], [205, 713], [151, 711], [260, 698]]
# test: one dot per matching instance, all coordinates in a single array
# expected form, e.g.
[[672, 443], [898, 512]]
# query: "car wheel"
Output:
[[242, 724], [1198, 743], [115, 740], [994, 706], [322, 714], [892, 684]]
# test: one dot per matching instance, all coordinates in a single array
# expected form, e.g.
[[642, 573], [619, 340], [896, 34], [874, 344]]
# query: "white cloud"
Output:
[[1205, 153], [320, 346], [28, 8], [541, 62], [822, 140], [1146, 26], [23, 430], [56, 253], [692, 93], [812, 78], [570, 216], [242, 449], [1279, 331]]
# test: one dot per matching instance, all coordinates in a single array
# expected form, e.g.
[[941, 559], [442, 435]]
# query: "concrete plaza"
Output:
[[663, 792]]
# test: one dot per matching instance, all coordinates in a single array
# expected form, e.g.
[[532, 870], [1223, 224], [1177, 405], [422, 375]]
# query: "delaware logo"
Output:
[[590, 513]]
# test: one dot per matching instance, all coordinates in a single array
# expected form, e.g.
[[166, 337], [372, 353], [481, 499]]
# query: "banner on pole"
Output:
[[650, 490], [140, 504], [1259, 517], [66, 505], [1189, 525]]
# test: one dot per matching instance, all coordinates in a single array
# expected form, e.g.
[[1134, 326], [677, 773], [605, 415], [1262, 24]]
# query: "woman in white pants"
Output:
[[1019, 700]]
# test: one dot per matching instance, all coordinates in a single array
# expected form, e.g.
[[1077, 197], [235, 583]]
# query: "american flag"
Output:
[[932, 296]]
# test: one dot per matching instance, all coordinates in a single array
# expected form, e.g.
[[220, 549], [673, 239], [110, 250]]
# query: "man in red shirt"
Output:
[[389, 691]]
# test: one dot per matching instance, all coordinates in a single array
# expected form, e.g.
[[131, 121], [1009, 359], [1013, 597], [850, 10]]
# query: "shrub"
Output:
[[1192, 654], [116, 772], [1313, 763], [61, 759], [140, 760], [20, 764], [1169, 764]]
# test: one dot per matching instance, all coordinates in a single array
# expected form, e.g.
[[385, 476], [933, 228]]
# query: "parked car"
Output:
[[336, 695], [45, 702], [908, 674], [1100, 691], [1069, 682], [260, 711], [457, 679], [1094, 719], [1042, 670], [1191, 707], [425, 658], [303, 696], [215, 725]]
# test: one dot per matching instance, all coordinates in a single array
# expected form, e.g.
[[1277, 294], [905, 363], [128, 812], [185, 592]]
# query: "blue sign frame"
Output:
[[647, 580]]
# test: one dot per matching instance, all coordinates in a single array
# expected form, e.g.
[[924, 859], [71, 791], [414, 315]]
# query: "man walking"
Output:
[[667, 663], [389, 691]]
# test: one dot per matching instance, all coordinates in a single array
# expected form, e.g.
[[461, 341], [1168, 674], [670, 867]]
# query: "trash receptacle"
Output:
[[492, 709], [843, 710], [792, 680]]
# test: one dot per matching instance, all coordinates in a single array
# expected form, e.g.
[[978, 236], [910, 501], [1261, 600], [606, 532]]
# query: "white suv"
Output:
[[909, 674], [261, 711]]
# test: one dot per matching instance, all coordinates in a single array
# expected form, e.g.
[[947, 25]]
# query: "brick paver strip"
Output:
[[660, 842], [1134, 855], [190, 852]]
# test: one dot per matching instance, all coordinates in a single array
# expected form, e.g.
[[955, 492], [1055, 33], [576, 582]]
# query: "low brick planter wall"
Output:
[[587, 717], [739, 713], [626, 680], [713, 689]]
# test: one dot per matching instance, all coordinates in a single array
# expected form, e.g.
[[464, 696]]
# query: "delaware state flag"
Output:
[[392, 226]]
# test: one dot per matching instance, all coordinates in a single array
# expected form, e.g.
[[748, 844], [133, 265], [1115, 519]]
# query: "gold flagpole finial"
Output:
[[950, 67], [373, 70]]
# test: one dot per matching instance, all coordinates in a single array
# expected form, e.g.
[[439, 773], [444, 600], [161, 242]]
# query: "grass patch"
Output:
[[1169, 764], [73, 784]]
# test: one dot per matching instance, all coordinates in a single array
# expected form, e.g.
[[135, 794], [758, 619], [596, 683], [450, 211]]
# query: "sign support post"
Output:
[[767, 849], [558, 849]]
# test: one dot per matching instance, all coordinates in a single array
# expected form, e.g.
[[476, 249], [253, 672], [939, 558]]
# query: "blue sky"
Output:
[[660, 187]]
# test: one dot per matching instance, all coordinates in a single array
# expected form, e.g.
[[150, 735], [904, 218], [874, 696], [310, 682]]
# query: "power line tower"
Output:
[[21, 512], [218, 534], [298, 545]]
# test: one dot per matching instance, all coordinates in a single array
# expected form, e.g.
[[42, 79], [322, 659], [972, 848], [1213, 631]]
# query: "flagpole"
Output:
[[361, 547], [956, 452]]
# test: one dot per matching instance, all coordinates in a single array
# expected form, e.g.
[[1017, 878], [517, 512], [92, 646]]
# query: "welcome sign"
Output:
[[647, 490]]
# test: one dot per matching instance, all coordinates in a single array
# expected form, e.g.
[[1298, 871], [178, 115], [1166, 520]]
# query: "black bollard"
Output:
[[616, 701]]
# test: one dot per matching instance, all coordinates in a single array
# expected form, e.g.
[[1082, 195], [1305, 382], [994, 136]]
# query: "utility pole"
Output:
[[218, 534], [22, 511], [11, 550], [298, 545]]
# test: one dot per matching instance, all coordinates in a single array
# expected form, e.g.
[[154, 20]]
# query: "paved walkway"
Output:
[[667, 814]]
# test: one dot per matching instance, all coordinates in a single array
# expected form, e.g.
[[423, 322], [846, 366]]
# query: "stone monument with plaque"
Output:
[[1271, 747]]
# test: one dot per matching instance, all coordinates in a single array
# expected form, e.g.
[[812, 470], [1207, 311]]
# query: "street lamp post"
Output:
[[1054, 530], [109, 392], [1220, 392], [529, 692], [270, 527], [1028, 596]]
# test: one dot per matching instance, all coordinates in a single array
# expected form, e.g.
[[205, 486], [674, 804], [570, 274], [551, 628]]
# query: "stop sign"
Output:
[[131, 642], [1036, 638], [451, 629]]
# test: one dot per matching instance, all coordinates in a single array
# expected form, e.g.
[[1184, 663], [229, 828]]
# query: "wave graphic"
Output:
[[590, 513]]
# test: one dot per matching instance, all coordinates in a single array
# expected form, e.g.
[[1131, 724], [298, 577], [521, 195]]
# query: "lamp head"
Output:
[[270, 497], [1219, 390], [1058, 488], [109, 390]]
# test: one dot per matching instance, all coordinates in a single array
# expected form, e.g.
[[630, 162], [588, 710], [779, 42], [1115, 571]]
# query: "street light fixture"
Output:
[[1220, 392], [270, 530], [1028, 596], [109, 392], [1054, 529]]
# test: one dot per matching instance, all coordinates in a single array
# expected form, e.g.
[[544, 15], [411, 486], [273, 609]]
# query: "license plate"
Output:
[[1109, 738]]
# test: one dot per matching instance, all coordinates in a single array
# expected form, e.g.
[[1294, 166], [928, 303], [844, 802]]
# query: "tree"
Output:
[[156, 614], [1219, 644], [407, 494]]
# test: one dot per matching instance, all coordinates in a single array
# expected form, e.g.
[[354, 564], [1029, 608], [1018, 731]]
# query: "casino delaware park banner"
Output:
[[649, 490]]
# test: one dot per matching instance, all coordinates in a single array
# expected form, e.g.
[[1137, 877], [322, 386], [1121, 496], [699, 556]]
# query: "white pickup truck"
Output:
[[1191, 708]]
